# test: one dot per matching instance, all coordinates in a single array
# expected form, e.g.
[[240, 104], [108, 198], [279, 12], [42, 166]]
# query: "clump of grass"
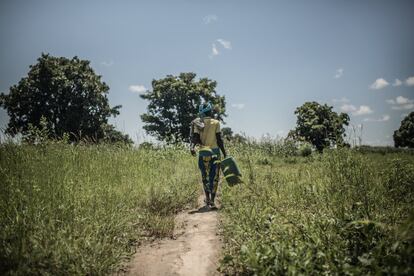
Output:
[[82, 209], [338, 213], [399, 179]]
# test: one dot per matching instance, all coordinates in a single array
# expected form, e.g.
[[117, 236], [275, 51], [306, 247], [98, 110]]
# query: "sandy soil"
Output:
[[194, 250]]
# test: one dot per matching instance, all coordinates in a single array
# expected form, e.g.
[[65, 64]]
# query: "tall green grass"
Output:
[[342, 212], [81, 210], [70, 210]]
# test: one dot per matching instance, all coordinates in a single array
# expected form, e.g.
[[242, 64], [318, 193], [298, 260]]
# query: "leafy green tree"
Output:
[[404, 136], [111, 135], [68, 94], [227, 133], [173, 104], [319, 125], [238, 138]]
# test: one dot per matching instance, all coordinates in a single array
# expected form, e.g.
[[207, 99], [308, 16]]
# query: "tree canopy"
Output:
[[404, 136], [68, 95], [319, 125], [227, 133], [173, 104]]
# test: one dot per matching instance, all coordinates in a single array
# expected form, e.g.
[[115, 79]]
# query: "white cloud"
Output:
[[410, 81], [214, 51], [401, 103], [137, 88], [107, 63], [339, 72], [403, 107], [238, 105], [404, 115], [362, 110], [348, 108], [379, 84], [225, 43], [402, 100], [357, 111], [397, 82], [210, 18], [341, 100], [384, 118]]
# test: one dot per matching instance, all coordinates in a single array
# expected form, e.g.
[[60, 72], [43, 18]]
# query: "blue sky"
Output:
[[268, 57]]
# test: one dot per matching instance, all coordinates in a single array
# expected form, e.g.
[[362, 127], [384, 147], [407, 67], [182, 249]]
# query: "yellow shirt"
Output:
[[208, 133]]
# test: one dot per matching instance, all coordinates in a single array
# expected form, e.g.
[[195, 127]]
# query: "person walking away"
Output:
[[206, 133]]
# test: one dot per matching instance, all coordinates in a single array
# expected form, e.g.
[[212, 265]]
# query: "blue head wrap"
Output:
[[204, 108]]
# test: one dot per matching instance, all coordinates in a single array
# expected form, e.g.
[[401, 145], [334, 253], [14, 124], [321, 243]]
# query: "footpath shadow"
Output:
[[204, 209]]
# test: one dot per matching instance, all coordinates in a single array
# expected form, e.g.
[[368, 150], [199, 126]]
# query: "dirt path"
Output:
[[195, 251]]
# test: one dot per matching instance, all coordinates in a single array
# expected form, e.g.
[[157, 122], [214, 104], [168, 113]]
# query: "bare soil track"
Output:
[[194, 250]]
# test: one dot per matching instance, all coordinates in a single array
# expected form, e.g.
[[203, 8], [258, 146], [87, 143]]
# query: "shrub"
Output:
[[305, 149]]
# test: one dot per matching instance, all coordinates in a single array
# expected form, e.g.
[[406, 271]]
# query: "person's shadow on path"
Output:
[[204, 209]]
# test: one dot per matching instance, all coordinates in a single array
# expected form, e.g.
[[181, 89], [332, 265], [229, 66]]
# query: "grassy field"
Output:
[[69, 210], [343, 212], [76, 210]]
